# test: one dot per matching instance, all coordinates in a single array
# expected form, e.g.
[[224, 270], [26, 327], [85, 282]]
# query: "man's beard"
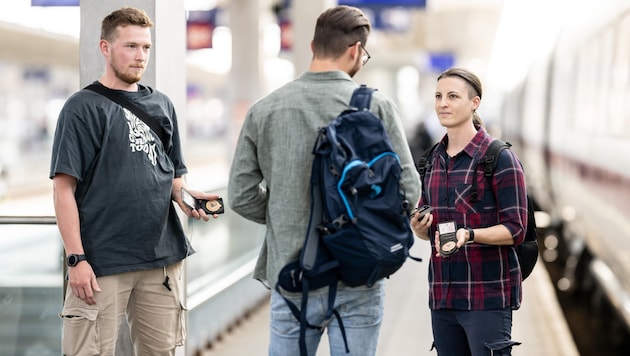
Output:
[[129, 78]]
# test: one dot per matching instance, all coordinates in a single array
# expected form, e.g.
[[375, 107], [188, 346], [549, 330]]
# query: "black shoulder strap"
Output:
[[131, 106], [491, 158], [361, 97], [423, 164], [489, 163]]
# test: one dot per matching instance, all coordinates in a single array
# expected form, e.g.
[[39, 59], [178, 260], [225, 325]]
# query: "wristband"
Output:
[[471, 234]]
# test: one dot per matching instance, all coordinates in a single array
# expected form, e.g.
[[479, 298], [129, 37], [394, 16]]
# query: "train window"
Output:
[[603, 73], [586, 113], [563, 109], [619, 99]]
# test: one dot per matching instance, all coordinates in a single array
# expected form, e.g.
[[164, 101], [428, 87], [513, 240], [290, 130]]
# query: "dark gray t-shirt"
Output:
[[124, 180]]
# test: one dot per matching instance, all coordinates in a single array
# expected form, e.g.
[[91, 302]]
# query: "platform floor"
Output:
[[406, 329]]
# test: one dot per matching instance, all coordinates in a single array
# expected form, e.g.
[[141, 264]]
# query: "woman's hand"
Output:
[[420, 227]]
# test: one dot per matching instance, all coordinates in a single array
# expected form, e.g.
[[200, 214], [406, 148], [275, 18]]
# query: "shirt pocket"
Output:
[[482, 202]]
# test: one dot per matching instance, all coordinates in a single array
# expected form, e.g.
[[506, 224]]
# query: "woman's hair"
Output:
[[338, 28], [123, 17], [474, 86]]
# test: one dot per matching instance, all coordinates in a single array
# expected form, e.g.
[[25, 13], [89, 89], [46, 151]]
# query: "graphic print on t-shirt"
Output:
[[140, 137]]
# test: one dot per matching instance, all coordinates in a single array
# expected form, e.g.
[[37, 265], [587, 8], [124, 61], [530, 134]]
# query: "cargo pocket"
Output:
[[503, 347], [181, 326], [80, 334]]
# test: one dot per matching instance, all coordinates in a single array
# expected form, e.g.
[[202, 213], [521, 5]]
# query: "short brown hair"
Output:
[[337, 28], [123, 17]]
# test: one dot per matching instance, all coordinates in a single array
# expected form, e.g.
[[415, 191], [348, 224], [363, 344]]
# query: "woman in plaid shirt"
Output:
[[473, 290]]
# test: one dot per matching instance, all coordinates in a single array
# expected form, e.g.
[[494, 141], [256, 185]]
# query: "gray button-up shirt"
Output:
[[270, 175]]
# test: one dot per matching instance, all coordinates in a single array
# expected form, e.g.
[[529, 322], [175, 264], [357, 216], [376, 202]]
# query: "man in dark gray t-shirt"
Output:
[[115, 180]]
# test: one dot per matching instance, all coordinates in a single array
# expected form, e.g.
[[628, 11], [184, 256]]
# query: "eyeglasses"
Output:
[[366, 56]]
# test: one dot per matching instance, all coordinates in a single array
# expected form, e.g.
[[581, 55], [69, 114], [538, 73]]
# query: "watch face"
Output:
[[74, 259]]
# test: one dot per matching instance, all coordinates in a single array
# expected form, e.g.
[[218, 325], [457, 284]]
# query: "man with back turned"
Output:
[[270, 180]]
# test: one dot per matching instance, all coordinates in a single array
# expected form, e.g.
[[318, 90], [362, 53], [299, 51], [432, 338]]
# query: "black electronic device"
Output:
[[422, 211]]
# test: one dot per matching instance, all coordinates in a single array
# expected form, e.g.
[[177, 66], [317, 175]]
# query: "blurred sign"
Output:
[[199, 29], [387, 15], [55, 2], [394, 19], [283, 16], [440, 62], [387, 3]]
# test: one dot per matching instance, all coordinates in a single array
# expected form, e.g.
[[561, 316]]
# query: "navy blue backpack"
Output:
[[359, 228]]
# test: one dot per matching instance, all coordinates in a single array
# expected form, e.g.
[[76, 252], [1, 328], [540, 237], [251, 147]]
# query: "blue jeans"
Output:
[[361, 310], [476, 333]]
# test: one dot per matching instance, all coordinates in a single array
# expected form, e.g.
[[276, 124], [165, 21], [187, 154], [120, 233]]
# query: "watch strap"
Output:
[[471, 234], [74, 259]]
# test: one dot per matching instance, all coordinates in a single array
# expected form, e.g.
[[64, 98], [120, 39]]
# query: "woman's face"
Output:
[[453, 106]]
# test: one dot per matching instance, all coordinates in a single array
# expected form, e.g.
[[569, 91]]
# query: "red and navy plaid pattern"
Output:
[[478, 276]]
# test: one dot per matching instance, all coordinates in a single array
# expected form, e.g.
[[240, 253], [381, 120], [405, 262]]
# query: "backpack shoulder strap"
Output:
[[423, 163], [491, 158], [361, 98], [489, 163]]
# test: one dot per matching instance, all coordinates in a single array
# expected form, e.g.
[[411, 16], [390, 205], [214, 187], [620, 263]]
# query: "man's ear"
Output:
[[354, 51], [104, 46]]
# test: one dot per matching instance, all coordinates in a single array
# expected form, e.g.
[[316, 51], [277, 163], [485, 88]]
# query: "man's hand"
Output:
[[83, 282]]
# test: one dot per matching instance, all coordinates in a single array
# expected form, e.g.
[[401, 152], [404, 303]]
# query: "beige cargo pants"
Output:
[[155, 314]]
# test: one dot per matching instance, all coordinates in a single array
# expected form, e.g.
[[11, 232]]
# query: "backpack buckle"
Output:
[[488, 165], [340, 221]]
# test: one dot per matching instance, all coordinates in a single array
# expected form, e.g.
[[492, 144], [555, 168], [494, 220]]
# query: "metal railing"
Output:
[[32, 282]]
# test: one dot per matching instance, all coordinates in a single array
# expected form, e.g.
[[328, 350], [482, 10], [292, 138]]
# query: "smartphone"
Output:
[[448, 240], [209, 206], [188, 199], [422, 211]]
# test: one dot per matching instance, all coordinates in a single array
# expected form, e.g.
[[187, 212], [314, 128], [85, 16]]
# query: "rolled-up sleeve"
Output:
[[512, 195]]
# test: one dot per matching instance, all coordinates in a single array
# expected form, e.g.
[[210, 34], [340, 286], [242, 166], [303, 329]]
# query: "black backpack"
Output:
[[527, 252], [359, 228]]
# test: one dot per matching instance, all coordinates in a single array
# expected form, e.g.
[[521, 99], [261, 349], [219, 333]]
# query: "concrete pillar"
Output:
[[246, 76], [246, 82], [166, 69]]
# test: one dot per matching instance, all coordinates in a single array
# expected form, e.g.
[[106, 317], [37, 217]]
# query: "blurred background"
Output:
[[556, 77]]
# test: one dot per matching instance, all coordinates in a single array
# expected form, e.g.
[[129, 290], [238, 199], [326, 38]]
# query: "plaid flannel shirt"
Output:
[[478, 276]]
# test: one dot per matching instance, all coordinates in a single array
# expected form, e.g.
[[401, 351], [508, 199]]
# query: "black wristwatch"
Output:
[[74, 259], [471, 234]]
